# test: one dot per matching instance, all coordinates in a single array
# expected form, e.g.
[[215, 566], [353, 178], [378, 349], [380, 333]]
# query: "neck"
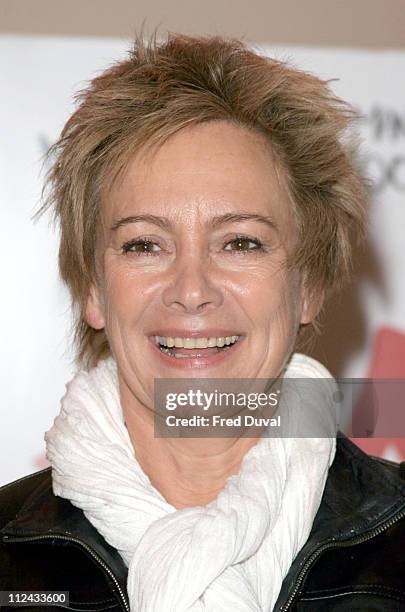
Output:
[[186, 471]]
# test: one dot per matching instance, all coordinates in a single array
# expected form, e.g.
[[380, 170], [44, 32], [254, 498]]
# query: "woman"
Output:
[[205, 196]]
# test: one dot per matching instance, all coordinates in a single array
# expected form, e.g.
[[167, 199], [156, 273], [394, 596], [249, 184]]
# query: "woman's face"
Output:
[[192, 244]]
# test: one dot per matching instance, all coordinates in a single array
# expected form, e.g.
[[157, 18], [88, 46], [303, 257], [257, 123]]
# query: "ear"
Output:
[[94, 309], [312, 303]]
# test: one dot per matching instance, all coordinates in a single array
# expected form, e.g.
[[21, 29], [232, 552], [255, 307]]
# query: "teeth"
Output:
[[189, 344], [192, 343]]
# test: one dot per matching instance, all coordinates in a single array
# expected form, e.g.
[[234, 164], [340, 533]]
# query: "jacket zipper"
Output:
[[334, 544], [83, 545]]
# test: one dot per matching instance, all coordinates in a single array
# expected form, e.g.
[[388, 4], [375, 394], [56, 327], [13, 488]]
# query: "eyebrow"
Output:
[[162, 222], [235, 217], [215, 222]]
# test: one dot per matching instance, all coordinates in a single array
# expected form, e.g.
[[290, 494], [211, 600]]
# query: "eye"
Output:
[[243, 244], [141, 246]]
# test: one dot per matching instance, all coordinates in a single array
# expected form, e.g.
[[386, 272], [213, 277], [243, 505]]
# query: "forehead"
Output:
[[202, 171]]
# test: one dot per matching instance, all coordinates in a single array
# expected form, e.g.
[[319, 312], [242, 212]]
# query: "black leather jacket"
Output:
[[354, 558]]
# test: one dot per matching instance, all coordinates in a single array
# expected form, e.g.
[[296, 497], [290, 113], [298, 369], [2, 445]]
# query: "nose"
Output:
[[192, 289]]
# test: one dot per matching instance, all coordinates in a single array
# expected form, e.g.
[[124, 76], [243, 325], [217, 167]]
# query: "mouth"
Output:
[[182, 351]]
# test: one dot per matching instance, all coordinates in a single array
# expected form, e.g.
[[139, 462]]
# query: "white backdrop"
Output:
[[38, 78]]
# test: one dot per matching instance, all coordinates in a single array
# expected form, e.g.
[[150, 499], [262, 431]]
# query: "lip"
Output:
[[189, 363]]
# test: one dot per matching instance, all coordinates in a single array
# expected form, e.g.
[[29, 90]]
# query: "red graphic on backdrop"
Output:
[[40, 462], [387, 361]]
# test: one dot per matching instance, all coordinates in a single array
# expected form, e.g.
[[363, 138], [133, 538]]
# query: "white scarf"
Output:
[[232, 554]]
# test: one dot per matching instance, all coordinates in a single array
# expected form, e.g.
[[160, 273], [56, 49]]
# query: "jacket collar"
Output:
[[360, 494], [44, 515]]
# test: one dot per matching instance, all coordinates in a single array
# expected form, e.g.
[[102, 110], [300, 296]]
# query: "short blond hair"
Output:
[[163, 87]]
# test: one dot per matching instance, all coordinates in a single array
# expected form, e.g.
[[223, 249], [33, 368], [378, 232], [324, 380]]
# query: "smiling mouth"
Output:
[[183, 348]]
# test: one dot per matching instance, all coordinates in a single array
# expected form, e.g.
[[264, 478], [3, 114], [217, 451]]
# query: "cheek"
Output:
[[131, 296], [122, 296], [274, 300], [283, 324]]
